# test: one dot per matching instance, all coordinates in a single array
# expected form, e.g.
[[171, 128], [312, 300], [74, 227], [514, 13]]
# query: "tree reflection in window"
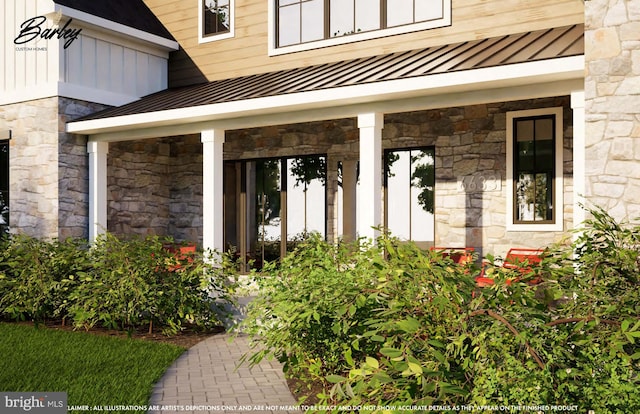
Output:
[[306, 196], [410, 181], [299, 183], [534, 168], [216, 15], [268, 193]]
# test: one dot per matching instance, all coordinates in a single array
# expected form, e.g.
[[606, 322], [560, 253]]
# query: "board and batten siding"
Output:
[[25, 72], [95, 62], [248, 51], [99, 66]]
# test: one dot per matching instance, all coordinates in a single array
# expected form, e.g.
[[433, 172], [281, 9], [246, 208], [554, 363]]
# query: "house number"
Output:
[[480, 182]]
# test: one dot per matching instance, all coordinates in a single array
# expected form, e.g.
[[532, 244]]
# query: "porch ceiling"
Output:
[[552, 55]]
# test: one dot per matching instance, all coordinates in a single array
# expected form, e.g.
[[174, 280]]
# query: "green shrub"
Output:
[[139, 282], [35, 275], [392, 325], [114, 283]]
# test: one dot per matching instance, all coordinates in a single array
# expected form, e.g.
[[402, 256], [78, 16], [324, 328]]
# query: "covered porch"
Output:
[[452, 107]]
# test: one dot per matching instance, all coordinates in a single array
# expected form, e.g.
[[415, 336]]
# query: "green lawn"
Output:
[[93, 370]]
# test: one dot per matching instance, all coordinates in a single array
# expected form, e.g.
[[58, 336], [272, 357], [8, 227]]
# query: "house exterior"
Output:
[[449, 122], [47, 79]]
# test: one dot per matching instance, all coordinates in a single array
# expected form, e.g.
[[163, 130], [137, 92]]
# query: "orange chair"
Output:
[[460, 255], [523, 260]]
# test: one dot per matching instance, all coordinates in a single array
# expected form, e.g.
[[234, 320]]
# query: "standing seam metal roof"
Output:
[[504, 50]]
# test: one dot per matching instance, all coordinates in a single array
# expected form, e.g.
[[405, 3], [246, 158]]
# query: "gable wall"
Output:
[[247, 52]]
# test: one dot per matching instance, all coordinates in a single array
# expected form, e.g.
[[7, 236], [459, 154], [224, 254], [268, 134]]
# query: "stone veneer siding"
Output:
[[155, 185], [612, 106], [48, 168], [471, 141]]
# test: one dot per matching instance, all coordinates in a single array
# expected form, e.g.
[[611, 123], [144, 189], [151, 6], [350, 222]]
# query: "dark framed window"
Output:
[[534, 169], [4, 186], [271, 204], [216, 17], [303, 21], [409, 193]]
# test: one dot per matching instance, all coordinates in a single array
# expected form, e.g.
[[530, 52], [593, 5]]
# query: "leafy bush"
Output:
[[35, 274], [114, 283], [392, 325]]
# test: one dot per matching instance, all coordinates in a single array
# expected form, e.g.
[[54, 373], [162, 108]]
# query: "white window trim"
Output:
[[221, 36], [558, 211], [334, 41]]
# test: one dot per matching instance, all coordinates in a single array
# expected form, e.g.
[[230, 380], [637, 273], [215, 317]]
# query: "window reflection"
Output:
[[272, 204], [410, 179], [305, 196], [534, 168], [217, 14]]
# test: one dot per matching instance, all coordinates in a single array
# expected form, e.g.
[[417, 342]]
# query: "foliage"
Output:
[[389, 324], [36, 276], [119, 284], [307, 169]]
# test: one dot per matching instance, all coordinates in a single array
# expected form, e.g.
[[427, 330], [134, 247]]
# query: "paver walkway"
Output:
[[205, 379]]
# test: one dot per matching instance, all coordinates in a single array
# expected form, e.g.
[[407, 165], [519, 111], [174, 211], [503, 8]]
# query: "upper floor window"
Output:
[[301, 22], [535, 169], [216, 19]]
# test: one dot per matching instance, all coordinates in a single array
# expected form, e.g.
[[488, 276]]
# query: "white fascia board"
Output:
[[444, 83], [118, 28]]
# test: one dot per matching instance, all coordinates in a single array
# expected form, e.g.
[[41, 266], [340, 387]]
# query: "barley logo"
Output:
[[32, 29]]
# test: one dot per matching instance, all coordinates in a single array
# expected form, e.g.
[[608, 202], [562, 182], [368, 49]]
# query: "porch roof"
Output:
[[371, 73]]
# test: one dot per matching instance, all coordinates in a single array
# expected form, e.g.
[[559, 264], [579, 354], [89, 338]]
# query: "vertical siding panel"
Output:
[[103, 65], [31, 56], [87, 65], [164, 74], [116, 62], [19, 12], [155, 73], [129, 70], [5, 45], [142, 79], [73, 60]]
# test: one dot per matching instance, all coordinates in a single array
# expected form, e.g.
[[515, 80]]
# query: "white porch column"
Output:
[[97, 188], [370, 208], [579, 160], [212, 191]]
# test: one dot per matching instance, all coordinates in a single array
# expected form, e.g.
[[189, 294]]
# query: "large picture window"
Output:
[[535, 168], [272, 204], [299, 22], [409, 187]]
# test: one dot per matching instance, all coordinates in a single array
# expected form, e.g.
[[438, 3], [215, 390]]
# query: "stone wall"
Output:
[[612, 106], [155, 187], [73, 170], [48, 168], [33, 166]]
